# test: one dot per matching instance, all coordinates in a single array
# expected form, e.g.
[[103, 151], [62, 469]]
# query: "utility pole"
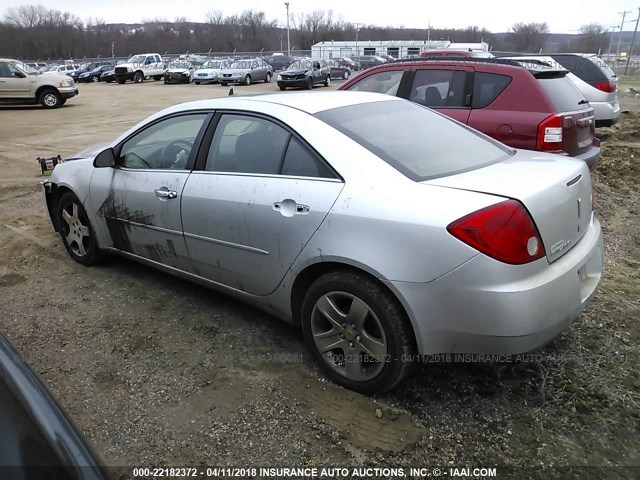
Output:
[[633, 41], [357, 30], [624, 14], [286, 4]]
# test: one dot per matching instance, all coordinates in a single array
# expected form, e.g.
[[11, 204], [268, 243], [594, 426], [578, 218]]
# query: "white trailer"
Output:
[[395, 48]]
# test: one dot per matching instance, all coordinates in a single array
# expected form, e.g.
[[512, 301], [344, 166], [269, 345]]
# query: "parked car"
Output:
[[38, 439], [180, 71], [210, 71], [382, 228], [17, 86], [368, 61], [108, 76], [94, 75], [533, 108], [305, 73], [593, 77], [87, 67], [338, 71], [348, 62], [446, 52], [246, 72], [279, 62], [66, 69]]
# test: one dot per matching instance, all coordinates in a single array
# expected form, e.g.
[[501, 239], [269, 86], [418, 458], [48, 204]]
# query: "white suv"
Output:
[[17, 85], [593, 77]]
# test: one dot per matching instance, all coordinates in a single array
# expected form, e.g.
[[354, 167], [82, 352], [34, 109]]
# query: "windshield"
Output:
[[243, 64], [185, 65], [300, 65], [416, 141], [137, 59], [215, 64]]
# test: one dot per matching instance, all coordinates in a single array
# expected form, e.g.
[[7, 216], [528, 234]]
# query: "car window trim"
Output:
[[205, 145], [196, 142]]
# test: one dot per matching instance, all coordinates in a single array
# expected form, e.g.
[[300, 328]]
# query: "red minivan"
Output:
[[530, 108]]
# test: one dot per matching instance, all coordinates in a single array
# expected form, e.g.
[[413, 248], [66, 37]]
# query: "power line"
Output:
[[624, 14]]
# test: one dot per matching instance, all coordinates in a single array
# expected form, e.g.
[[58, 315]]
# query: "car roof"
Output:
[[309, 102]]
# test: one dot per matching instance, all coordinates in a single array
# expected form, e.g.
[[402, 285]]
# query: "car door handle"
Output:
[[289, 208], [164, 192]]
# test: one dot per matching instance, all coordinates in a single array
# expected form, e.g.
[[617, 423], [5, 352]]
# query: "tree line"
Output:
[[35, 32]]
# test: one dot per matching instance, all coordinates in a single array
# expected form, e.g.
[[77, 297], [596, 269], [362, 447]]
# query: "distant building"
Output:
[[395, 48]]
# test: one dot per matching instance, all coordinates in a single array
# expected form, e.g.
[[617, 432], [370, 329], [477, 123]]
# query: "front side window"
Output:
[[165, 145], [382, 82], [246, 144], [5, 70], [438, 88]]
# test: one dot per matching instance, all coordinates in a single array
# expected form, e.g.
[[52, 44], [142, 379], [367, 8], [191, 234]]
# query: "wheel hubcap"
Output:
[[76, 231], [349, 336], [50, 99]]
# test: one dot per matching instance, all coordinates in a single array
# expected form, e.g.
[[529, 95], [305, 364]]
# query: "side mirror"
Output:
[[19, 74], [106, 158]]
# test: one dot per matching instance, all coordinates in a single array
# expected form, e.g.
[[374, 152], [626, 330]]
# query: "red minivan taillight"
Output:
[[504, 231], [609, 86], [549, 136]]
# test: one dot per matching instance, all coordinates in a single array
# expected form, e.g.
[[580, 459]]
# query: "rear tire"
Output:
[[358, 331], [327, 81], [78, 235], [309, 85]]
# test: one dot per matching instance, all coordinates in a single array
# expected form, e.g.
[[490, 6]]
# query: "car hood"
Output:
[[178, 70], [89, 152], [56, 76], [237, 70], [295, 72]]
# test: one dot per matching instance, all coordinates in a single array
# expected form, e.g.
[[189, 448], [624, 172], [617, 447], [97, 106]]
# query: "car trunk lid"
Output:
[[575, 117], [556, 192]]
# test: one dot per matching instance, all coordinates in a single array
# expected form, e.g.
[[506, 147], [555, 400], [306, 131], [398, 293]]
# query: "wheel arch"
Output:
[[305, 278]]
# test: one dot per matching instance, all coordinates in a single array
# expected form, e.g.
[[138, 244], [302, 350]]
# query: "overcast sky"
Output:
[[562, 16]]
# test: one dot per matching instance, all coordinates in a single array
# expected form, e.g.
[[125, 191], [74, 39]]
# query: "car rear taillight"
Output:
[[504, 231], [609, 86], [550, 134]]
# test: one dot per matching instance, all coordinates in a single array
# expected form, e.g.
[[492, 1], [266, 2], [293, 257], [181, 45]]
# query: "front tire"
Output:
[[247, 80], [138, 77], [121, 81], [327, 81], [345, 75], [309, 85], [50, 99], [358, 331], [223, 84], [94, 79], [76, 231], [282, 87], [267, 78]]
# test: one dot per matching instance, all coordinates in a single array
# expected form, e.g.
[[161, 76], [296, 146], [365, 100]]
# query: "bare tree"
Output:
[[593, 38], [529, 37]]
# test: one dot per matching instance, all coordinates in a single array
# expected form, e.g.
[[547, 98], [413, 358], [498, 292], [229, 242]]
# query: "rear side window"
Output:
[[438, 88], [381, 82], [416, 141], [581, 67], [564, 95], [487, 87]]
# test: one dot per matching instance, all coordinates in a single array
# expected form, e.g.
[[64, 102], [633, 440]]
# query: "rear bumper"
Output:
[[591, 156], [606, 113], [488, 307]]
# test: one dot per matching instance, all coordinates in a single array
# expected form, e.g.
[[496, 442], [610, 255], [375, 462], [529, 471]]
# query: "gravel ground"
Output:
[[158, 371]]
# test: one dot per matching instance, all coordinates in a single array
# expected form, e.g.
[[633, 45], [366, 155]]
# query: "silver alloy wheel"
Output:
[[50, 99], [349, 336], [94, 79], [345, 75], [328, 81], [247, 80], [77, 231]]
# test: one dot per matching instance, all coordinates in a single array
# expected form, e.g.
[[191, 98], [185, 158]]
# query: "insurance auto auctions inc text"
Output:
[[375, 472]]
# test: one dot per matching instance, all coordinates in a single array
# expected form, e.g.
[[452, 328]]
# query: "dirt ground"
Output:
[[158, 371]]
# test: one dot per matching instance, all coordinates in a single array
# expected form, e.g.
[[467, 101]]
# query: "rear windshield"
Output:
[[417, 141], [564, 95], [582, 67]]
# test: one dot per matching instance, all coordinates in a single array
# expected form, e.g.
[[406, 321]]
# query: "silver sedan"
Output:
[[382, 228]]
